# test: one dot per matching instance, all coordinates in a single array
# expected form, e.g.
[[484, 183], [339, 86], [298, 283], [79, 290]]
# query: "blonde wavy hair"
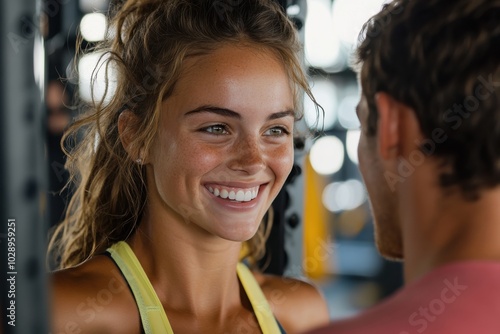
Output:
[[147, 46]]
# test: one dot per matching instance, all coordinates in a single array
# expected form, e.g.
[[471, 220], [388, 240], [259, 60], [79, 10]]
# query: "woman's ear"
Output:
[[127, 127]]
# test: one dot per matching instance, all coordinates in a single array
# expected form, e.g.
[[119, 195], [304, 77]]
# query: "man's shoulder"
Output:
[[453, 298]]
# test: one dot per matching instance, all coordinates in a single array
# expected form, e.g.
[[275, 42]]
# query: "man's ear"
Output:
[[127, 127], [388, 125]]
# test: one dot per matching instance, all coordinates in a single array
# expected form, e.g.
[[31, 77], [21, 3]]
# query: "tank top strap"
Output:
[[153, 317], [260, 305]]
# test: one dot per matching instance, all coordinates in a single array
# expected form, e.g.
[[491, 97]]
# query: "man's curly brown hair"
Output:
[[441, 58]]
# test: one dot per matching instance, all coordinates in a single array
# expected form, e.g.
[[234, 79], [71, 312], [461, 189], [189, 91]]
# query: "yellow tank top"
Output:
[[153, 317]]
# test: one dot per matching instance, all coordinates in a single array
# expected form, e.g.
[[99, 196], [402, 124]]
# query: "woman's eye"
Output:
[[218, 129], [277, 131]]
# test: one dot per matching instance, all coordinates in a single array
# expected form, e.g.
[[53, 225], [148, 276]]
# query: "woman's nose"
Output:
[[247, 156]]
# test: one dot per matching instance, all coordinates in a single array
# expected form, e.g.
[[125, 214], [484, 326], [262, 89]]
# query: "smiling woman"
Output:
[[193, 146], [232, 112]]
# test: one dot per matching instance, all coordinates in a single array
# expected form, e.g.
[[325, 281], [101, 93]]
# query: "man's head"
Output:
[[439, 61]]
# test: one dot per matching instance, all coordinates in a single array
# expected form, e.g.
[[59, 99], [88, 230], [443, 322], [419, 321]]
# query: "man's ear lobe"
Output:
[[388, 125], [127, 126]]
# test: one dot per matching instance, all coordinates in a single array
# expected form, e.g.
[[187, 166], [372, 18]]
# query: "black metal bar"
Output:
[[23, 281]]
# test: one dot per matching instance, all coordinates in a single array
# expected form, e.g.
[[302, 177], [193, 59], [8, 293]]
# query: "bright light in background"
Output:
[[39, 63], [350, 15], [86, 74], [93, 27], [347, 112], [352, 141], [321, 44], [342, 196], [331, 31], [325, 94], [327, 155], [293, 10]]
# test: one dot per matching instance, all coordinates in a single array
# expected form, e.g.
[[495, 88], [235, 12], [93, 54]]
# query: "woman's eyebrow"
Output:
[[233, 114], [281, 114], [216, 110]]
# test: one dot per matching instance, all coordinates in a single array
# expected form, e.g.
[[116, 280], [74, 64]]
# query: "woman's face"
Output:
[[224, 147]]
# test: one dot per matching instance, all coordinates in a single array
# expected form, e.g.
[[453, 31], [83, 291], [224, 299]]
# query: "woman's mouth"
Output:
[[234, 194]]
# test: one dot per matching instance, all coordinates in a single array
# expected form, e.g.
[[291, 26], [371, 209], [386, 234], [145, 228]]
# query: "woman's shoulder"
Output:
[[298, 305], [92, 297]]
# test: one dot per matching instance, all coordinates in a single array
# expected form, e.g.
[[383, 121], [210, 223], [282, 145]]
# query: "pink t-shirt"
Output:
[[457, 298]]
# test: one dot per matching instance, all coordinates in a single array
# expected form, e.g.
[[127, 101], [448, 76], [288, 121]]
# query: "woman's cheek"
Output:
[[281, 161]]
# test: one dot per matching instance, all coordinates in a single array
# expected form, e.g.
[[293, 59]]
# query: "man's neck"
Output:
[[449, 230]]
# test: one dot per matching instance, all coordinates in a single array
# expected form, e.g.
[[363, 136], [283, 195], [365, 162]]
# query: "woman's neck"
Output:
[[190, 269]]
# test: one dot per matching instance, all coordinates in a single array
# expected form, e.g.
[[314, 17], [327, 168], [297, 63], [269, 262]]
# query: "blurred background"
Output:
[[353, 276], [322, 230]]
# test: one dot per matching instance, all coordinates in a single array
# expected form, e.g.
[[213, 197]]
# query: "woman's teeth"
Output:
[[235, 194]]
